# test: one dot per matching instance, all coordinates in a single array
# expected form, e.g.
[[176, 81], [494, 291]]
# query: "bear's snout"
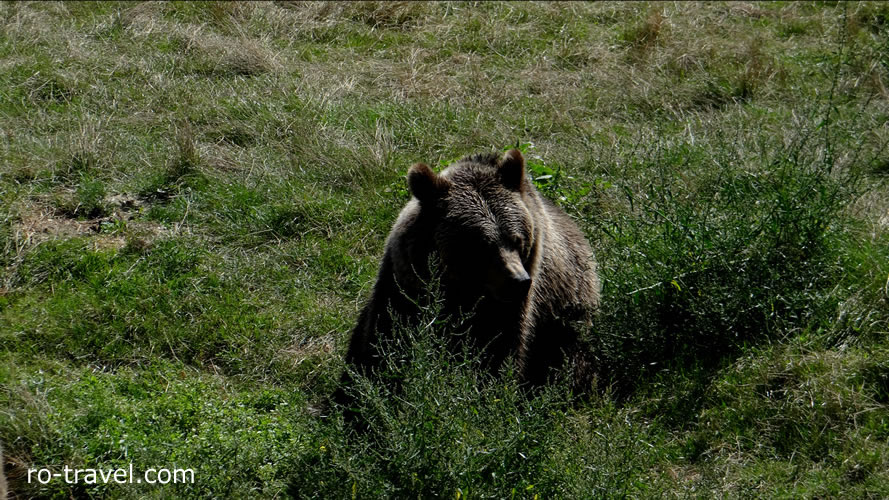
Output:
[[520, 281], [511, 282], [514, 287]]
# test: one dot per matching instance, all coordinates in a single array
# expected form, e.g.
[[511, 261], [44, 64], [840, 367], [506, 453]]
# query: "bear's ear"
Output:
[[512, 169], [425, 184]]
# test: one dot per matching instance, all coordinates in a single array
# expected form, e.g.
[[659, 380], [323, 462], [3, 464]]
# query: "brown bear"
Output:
[[510, 259], [4, 491]]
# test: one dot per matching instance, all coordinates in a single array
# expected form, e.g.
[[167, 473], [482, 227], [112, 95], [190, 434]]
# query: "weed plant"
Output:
[[436, 422]]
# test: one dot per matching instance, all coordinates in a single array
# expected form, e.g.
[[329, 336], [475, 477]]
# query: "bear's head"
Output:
[[481, 209]]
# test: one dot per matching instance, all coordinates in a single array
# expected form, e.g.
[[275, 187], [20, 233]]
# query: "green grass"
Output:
[[194, 198]]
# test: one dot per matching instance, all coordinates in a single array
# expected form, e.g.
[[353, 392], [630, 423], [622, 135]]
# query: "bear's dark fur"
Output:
[[510, 258], [4, 490]]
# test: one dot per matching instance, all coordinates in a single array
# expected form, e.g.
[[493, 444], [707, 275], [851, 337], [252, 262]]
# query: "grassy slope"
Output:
[[194, 198]]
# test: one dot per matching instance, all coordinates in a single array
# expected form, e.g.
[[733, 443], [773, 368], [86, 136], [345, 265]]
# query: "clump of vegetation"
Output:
[[643, 36], [717, 260], [442, 424]]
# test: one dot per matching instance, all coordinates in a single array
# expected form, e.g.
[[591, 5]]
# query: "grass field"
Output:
[[194, 199]]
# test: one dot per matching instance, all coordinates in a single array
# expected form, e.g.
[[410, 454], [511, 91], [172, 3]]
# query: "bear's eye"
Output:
[[516, 241]]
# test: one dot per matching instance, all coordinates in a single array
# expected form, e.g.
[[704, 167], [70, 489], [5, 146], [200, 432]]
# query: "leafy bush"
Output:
[[702, 262], [441, 424]]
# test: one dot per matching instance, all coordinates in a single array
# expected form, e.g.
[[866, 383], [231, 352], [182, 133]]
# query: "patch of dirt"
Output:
[[40, 222], [124, 202]]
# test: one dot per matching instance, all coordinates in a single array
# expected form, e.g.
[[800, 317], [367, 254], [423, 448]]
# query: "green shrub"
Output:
[[439, 424], [742, 257], [703, 262]]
